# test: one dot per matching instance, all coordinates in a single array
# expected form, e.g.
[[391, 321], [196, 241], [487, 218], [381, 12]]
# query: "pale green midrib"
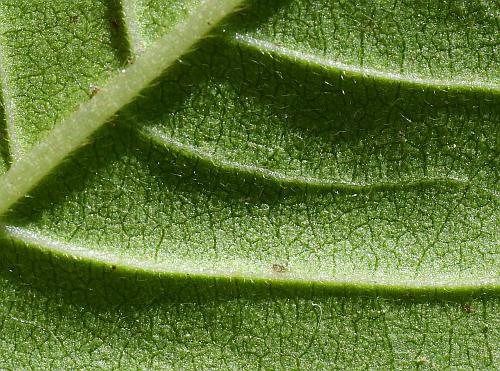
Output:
[[123, 88], [261, 46], [310, 183], [72, 253]]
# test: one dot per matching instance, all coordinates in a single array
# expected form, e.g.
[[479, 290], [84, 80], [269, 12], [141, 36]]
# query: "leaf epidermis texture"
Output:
[[325, 172]]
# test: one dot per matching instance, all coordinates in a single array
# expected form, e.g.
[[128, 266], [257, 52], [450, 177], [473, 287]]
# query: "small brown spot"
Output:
[[115, 24], [113, 267], [73, 18], [422, 360], [466, 308], [94, 90], [278, 268]]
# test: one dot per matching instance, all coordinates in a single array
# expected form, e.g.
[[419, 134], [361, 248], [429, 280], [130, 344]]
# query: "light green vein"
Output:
[[123, 88], [262, 46], [8, 104], [128, 265], [209, 161], [133, 31]]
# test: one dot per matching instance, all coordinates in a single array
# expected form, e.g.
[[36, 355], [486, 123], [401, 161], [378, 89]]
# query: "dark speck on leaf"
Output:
[[115, 24], [113, 267], [422, 361], [94, 90], [466, 308], [278, 268]]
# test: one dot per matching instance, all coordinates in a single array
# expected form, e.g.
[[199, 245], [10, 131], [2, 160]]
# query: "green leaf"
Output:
[[315, 185]]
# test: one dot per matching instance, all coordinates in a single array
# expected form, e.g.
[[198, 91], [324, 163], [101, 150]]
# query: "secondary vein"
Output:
[[123, 88], [397, 285], [8, 107], [132, 27], [310, 182], [265, 46]]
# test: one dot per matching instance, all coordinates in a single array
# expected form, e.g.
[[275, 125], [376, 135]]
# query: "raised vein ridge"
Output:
[[302, 57], [136, 43], [207, 160], [128, 265], [8, 106]]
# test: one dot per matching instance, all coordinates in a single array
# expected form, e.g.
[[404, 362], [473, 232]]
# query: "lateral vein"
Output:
[[205, 159], [132, 27], [275, 49], [396, 284], [8, 106]]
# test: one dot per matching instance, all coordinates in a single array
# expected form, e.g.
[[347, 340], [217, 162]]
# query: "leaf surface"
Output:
[[315, 184]]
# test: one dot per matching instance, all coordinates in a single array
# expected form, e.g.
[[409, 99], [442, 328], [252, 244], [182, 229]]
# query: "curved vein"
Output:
[[263, 46], [311, 183], [132, 266], [122, 89]]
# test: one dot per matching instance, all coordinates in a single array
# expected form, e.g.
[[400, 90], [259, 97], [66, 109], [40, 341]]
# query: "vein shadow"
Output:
[[293, 120], [5, 156]]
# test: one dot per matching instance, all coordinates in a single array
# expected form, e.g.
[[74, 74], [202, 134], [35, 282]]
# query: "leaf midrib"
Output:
[[67, 136]]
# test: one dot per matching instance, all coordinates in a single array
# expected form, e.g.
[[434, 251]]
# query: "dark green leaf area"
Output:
[[127, 197], [71, 315], [4, 146], [453, 42], [233, 106], [52, 55]]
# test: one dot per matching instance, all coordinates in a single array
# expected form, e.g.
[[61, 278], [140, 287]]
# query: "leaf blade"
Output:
[[136, 249]]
